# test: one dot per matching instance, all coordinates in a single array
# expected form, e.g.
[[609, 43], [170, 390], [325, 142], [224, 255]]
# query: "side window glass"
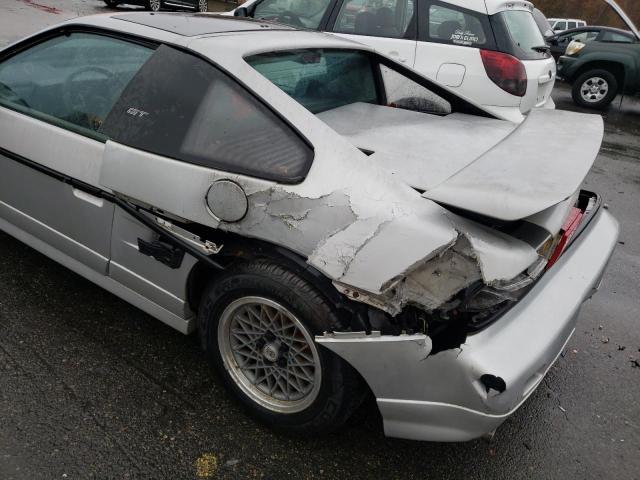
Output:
[[71, 81], [453, 26], [377, 18], [585, 37], [402, 92], [184, 108], [571, 25], [319, 79], [560, 26], [297, 13], [616, 37]]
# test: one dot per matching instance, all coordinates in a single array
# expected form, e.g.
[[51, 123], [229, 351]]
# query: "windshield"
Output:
[[320, 79]]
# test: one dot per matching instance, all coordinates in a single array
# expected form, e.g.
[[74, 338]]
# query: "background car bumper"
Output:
[[567, 67], [441, 397]]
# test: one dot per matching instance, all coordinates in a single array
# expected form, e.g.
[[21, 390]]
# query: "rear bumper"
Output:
[[441, 397]]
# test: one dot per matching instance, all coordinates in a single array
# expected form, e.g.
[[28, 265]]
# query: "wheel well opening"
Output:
[[252, 251], [200, 276], [616, 69]]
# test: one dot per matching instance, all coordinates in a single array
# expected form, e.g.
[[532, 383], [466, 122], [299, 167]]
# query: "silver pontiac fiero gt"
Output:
[[332, 224]]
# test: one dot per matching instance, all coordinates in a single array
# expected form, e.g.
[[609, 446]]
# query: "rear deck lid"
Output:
[[487, 166], [519, 177]]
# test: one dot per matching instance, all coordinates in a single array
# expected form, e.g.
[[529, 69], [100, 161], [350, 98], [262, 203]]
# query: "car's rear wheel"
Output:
[[112, 3], [257, 325], [154, 5], [595, 89], [203, 5]]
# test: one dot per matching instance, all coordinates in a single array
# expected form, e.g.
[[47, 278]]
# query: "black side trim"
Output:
[[136, 212], [162, 251]]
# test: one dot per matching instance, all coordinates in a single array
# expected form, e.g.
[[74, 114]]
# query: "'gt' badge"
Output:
[[134, 112]]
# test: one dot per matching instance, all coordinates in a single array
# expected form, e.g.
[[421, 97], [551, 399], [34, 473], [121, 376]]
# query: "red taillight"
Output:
[[568, 229], [505, 71]]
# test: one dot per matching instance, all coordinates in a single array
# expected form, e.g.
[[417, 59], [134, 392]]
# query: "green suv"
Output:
[[601, 69]]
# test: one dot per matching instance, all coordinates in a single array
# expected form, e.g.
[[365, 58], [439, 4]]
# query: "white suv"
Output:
[[492, 51], [561, 24]]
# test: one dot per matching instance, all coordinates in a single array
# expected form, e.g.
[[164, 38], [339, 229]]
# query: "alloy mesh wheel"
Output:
[[269, 354]]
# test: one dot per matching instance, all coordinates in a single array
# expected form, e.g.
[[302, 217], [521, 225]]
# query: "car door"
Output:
[[389, 27], [54, 95]]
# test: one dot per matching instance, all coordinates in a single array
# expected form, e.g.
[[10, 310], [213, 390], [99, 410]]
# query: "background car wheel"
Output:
[[154, 5], [112, 3], [203, 5], [595, 89], [257, 325]]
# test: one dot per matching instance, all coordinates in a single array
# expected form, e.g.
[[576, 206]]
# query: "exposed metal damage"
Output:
[[353, 251]]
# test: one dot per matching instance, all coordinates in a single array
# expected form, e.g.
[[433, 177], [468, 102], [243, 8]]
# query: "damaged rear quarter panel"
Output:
[[356, 223]]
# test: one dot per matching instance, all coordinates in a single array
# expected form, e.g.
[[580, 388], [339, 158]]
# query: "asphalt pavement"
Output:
[[91, 387]]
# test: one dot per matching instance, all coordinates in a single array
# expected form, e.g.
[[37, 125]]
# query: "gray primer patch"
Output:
[[300, 223]]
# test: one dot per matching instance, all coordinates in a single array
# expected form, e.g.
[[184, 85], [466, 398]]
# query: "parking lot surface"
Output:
[[91, 387]]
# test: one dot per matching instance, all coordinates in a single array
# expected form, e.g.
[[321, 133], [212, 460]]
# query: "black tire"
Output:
[[112, 3], [341, 388], [591, 99]]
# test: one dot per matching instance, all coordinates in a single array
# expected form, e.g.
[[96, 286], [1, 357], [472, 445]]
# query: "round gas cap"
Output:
[[227, 201]]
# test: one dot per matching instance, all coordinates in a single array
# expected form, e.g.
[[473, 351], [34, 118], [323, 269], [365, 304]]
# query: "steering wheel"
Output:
[[291, 18], [75, 99]]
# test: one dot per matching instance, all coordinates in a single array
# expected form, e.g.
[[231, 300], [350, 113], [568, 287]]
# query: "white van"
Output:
[[491, 51], [562, 24]]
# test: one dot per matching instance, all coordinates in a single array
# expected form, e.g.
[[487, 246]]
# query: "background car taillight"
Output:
[[505, 71]]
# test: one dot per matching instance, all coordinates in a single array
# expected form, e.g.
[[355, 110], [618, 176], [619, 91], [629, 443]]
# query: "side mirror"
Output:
[[241, 12]]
